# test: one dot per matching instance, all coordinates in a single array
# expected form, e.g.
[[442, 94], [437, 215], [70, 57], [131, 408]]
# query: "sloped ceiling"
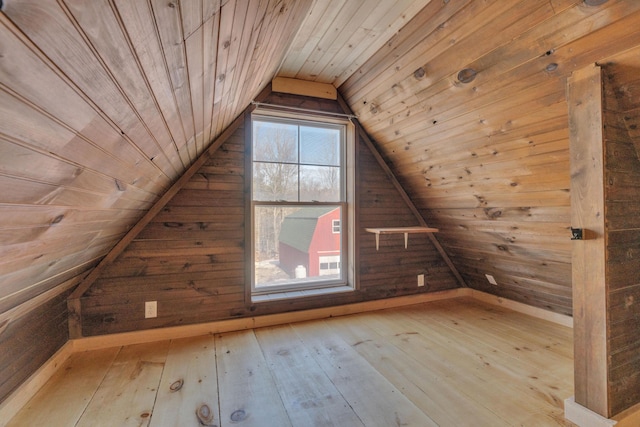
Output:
[[105, 103]]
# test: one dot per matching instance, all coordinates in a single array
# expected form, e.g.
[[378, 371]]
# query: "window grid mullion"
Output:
[[299, 158]]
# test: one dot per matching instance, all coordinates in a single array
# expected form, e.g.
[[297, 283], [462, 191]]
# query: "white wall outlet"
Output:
[[150, 309], [491, 279], [420, 279]]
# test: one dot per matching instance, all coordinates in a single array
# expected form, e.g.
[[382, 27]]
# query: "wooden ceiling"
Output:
[[105, 103]]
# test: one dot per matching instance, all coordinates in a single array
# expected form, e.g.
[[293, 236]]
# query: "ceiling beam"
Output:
[[305, 88]]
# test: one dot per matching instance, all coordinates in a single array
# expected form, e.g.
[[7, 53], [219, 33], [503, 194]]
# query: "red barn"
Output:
[[311, 237]]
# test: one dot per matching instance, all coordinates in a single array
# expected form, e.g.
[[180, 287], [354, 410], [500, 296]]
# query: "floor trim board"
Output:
[[19, 398], [139, 337], [584, 417], [629, 417], [540, 313], [150, 335]]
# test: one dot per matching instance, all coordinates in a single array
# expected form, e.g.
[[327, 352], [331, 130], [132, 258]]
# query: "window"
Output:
[[329, 265], [299, 199]]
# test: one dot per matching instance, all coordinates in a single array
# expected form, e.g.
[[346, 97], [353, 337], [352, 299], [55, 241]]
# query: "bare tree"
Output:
[[277, 169], [275, 178]]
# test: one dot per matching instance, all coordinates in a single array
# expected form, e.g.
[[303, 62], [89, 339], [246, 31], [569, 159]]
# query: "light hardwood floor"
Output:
[[450, 363]]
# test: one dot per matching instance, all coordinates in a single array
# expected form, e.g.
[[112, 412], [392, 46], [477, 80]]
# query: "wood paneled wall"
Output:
[[487, 162], [29, 340], [622, 203], [191, 257]]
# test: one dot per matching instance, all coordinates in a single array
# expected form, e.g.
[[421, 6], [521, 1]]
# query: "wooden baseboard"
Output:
[[16, 400], [629, 417], [540, 313], [139, 337], [584, 417]]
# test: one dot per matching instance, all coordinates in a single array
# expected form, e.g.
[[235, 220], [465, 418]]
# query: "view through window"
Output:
[[299, 204]]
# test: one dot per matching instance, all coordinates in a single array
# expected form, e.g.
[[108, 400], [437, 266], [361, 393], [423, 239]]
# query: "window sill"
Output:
[[276, 296]]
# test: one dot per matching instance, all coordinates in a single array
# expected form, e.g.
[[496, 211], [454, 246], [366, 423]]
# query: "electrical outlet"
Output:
[[491, 279], [420, 279], [150, 309]]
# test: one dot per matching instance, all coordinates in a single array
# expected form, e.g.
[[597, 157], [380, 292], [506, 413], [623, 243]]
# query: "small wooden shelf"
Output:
[[399, 230]]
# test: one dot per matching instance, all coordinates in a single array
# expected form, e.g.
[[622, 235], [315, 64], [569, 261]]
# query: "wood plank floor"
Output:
[[448, 363]]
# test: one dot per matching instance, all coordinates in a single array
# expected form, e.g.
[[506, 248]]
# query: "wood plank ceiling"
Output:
[[104, 103]]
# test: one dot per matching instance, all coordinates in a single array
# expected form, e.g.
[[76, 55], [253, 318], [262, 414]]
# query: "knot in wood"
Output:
[[467, 75], [238, 415], [176, 385], [205, 416]]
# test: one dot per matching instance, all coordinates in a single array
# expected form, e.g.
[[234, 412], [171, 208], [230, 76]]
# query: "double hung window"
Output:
[[298, 203]]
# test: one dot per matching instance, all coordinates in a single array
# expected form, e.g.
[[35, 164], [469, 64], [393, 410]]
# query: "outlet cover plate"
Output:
[[420, 279], [491, 279], [150, 309]]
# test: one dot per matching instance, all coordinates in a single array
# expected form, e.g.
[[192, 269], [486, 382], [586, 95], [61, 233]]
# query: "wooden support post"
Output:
[[588, 256], [605, 288]]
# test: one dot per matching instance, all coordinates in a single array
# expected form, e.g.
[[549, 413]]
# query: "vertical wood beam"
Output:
[[584, 97]]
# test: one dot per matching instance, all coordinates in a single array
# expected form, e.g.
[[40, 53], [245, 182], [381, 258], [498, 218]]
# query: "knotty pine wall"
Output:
[[191, 257], [487, 162], [622, 202]]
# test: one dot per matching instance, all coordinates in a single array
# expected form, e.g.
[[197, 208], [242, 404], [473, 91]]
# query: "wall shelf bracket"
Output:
[[397, 230]]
